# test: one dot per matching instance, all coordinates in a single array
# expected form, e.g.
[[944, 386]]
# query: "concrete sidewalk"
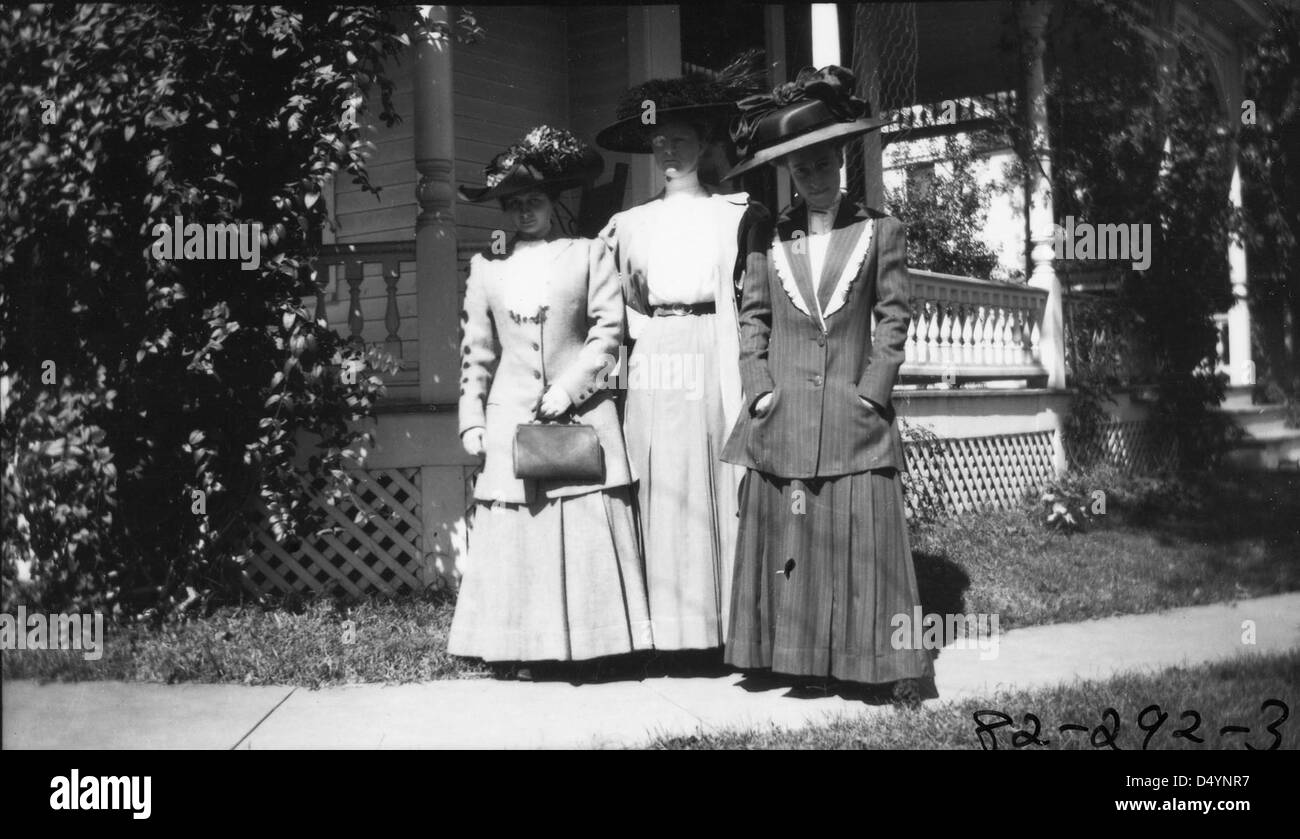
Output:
[[485, 713]]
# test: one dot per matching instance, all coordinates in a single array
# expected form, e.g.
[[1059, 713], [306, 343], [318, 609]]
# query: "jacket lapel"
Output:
[[845, 255], [792, 229]]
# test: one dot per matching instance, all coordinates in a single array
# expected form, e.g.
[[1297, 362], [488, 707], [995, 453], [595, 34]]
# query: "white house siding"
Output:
[[598, 71], [514, 79]]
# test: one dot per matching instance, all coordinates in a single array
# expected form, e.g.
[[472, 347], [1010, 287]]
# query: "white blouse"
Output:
[[682, 249]]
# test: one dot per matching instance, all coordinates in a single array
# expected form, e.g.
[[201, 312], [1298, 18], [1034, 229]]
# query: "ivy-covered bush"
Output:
[[147, 401]]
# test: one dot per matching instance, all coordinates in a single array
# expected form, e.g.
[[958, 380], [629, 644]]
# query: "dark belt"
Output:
[[679, 309]]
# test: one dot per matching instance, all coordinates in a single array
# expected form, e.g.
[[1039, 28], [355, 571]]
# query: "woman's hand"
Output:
[[554, 403], [763, 405], [472, 440]]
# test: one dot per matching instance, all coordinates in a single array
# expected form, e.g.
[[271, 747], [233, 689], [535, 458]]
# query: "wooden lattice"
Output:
[[1134, 447], [959, 474], [945, 475], [379, 556]]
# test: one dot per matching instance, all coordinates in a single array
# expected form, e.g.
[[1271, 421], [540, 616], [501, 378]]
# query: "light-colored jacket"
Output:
[[549, 313]]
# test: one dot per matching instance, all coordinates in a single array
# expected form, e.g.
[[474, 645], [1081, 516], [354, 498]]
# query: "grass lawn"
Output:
[[399, 640], [1227, 694], [1161, 544]]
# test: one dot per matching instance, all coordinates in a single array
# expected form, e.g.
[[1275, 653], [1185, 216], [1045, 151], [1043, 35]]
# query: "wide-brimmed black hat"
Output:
[[696, 97], [546, 158], [817, 106]]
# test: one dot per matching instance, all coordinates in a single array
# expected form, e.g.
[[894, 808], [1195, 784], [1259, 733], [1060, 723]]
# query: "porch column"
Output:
[[437, 295], [866, 66], [774, 29], [437, 278], [1242, 369], [1033, 20], [826, 48], [654, 50]]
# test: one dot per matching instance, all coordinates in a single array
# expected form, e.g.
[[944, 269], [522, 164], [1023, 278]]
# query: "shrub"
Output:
[[147, 401]]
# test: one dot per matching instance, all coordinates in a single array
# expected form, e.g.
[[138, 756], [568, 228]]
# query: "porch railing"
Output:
[[966, 329], [962, 329], [368, 293], [1222, 356]]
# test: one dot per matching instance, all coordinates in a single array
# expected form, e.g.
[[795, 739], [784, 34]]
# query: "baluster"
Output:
[[1000, 337], [322, 288], [922, 331], [945, 334], [979, 354], [1018, 335], [392, 319], [356, 321], [967, 322], [932, 334], [909, 350], [1035, 338], [990, 356]]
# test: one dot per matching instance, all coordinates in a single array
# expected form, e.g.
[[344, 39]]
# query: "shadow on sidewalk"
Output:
[[632, 667]]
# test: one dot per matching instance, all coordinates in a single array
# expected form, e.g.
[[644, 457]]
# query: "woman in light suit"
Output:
[[680, 255], [554, 568], [823, 563]]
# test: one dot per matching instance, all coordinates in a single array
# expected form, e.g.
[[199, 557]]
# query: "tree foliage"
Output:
[[146, 402], [944, 218], [1133, 143], [1270, 156]]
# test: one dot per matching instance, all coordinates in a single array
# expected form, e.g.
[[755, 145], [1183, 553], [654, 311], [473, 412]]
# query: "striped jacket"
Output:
[[815, 351]]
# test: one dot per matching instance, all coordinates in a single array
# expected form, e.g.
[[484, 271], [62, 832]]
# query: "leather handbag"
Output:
[[558, 451]]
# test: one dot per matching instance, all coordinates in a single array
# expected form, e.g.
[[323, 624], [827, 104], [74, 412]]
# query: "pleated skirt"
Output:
[[822, 568], [557, 579], [675, 430]]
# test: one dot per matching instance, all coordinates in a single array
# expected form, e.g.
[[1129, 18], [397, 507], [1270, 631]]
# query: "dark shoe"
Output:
[[907, 694]]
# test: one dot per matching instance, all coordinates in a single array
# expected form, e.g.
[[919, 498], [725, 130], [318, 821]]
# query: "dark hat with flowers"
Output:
[[817, 106], [695, 97], [546, 158]]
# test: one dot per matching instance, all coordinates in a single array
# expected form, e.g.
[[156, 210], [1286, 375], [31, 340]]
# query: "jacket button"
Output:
[[536, 345], [817, 381], [537, 374], [821, 340]]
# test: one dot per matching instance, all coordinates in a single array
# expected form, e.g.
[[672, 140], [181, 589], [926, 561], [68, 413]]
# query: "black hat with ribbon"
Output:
[[546, 158], [697, 97], [817, 106]]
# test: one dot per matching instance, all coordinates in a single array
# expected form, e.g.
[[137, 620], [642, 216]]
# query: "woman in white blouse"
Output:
[[679, 257]]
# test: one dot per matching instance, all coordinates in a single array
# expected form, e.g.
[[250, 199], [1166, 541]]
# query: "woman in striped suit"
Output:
[[823, 563]]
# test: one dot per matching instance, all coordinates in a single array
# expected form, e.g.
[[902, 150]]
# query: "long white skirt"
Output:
[[558, 579], [675, 430]]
